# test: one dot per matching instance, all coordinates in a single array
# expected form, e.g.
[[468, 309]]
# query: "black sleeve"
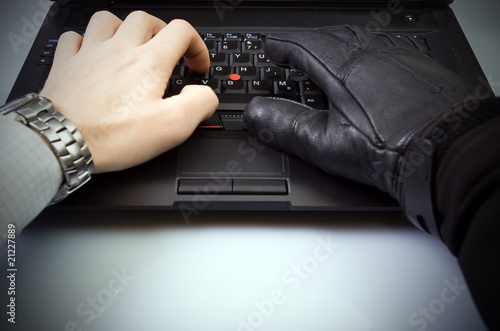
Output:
[[467, 198]]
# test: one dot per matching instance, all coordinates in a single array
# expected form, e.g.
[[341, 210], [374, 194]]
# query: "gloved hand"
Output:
[[382, 90]]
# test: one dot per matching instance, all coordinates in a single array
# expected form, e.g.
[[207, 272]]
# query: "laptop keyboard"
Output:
[[239, 71]]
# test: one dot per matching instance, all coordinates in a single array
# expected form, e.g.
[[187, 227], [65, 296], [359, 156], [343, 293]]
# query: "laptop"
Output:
[[222, 167]]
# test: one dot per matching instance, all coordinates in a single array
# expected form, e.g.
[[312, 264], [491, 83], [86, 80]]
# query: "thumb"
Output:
[[287, 125], [322, 138]]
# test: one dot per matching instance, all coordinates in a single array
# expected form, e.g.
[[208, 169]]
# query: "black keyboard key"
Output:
[[260, 87], [253, 36], [273, 73], [253, 46], [286, 89], [48, 53], [219, 59], [261, 60], [211, 46], [213, 36], [317, 101], [221, 72], [51, 45], [45, 61], [308, 87], [178, 72], [248, 73], [312, 95], [176, 85], [233, 36], [215, 84], [231, 86], [293, 74], [230, 46], [191, 75], [241, 59]]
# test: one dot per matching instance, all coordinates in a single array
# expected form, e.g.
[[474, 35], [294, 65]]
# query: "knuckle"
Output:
[[179, 21], [69, 35], [102, 14], [139, 15]]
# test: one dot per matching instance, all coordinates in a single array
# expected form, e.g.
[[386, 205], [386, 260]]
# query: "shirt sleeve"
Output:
[[468, 198], [30, 175]]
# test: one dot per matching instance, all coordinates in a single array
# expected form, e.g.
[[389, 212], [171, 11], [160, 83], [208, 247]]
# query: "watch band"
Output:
[[64, 138]]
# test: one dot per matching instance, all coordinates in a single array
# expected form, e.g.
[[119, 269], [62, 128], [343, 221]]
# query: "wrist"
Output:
[[60, 134], [418, 168]]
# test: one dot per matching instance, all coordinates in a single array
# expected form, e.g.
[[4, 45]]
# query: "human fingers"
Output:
[[68, 45], [193, 105], [138, 28], [179, 39], [101, 27], [164, 125]]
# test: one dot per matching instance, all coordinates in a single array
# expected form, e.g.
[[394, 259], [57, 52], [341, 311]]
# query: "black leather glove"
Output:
[[383, 92]]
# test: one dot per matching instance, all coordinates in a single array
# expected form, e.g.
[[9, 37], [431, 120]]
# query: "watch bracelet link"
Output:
[[66, 141]]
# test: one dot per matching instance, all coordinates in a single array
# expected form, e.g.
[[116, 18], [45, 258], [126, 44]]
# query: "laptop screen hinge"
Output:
[[96, 3], [412, 4], [87, 3]]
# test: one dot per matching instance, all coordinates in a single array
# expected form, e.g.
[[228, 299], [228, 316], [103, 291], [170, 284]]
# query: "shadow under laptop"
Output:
[[148, 220]]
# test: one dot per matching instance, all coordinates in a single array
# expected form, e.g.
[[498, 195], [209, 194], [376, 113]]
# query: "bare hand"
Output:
[[111, 83]]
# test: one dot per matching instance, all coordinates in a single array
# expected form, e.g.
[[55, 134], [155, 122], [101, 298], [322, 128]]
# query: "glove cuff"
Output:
[[415, 188]]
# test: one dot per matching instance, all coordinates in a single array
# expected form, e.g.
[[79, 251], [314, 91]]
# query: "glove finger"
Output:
[[358, 38], [328, 42], [328, 51], [315, 54], [353, 36], [322, 138], [275, 121], [404, 41], [322, 55]]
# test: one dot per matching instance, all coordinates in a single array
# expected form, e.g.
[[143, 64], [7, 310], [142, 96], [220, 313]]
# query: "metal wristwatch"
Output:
[[66, 141]]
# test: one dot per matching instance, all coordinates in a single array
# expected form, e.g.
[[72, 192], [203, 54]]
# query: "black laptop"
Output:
[[222, 167]]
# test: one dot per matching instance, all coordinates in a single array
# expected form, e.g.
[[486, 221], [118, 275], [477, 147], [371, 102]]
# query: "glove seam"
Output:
[[341, 81], [302, 48], [412, 73], [378, 135], [380, 52]]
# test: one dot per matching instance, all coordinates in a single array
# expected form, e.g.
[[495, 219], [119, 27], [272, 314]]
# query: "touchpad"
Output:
[[244, 157]]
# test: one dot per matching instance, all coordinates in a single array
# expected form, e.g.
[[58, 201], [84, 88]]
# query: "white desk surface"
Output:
[[239, 271]]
